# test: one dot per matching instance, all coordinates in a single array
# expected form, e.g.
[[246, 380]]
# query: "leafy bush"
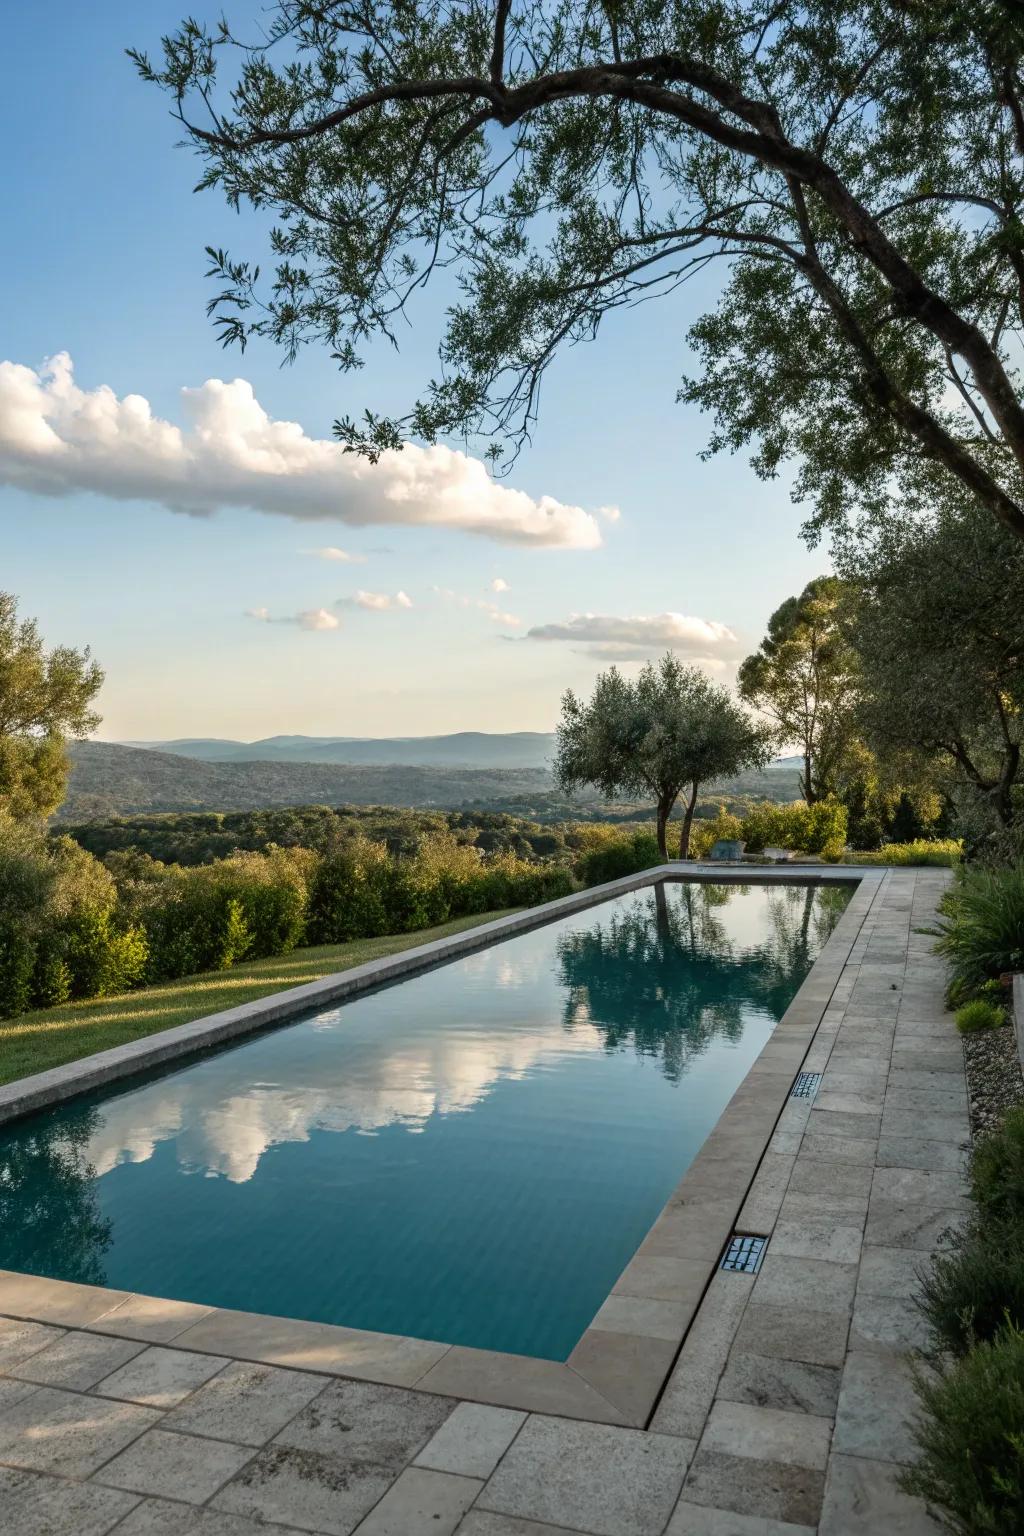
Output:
[[512, 882], [943, 852], [982, 927], [970, 1288], [980, 1014], [618, 856], [972, 1438], [708, 830], [818, 828], [997, 1170]]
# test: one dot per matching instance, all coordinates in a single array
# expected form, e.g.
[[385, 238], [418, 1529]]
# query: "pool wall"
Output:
[[616, 1371]]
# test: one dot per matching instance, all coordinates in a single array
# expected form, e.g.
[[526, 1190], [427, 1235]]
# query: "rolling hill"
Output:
[[110, 779], [462, 749]]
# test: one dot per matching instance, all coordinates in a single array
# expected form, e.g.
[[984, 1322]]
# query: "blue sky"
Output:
[[104, 260]]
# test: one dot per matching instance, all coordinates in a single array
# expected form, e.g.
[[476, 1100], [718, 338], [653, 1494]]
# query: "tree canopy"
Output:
[[667, 730], [45, 696], [856, 165], [803, 676], [940, 634]]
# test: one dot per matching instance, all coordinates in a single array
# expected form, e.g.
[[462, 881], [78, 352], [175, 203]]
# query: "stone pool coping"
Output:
[[617, 1370]]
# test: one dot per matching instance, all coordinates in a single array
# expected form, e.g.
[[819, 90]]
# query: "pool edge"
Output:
[[617, 1370]]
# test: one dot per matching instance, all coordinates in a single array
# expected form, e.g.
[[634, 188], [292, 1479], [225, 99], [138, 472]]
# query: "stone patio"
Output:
[[787, 1411]]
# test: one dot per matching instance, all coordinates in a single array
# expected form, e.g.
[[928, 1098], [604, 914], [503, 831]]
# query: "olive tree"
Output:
[[45, 696], [940, 635], [803, 677], [856, 167], [669, 730]]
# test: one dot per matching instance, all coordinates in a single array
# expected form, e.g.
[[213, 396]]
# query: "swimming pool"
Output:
[[471, 1155]]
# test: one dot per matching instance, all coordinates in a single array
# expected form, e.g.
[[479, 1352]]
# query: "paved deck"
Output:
[[787, 1411]]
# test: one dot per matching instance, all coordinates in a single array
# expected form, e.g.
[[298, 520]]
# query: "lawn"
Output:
[[52, 1036]]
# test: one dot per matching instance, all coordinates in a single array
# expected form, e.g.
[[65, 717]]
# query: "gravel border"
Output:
[[994, 1079]]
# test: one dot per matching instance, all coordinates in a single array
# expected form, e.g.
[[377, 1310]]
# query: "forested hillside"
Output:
[[108, 780]]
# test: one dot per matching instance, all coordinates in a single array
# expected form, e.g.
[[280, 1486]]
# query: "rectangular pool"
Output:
[[471, 1155]]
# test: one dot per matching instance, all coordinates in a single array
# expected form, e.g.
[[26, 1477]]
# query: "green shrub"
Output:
[[972, 1439], [942, 853], [818, 828], [970, 1288], [980, 1014], [708, 830], [997, 1170], [17, 966], [98, 958], [350, 894], [981, 927], [513, 882], [617, 857]]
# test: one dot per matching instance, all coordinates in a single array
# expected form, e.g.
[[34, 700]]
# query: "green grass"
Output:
[[944, 852], [52, 1036]]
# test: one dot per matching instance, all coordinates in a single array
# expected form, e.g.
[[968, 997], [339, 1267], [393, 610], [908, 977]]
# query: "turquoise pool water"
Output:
[[471, 1155]]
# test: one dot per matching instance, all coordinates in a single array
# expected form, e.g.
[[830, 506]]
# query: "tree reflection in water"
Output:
[[50, 1220], [665, 977]]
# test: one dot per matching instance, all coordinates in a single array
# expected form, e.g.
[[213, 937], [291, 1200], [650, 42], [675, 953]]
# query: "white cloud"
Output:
[[460, 600], [309, 618], [332, 552], [378, 602], [625, 638], [499, 584], [56, 439]]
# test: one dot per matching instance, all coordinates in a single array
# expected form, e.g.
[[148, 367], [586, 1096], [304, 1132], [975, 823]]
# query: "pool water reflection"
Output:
[[471, 1155]]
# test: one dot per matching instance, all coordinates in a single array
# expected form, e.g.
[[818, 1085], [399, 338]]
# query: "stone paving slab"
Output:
[[788, 1410]]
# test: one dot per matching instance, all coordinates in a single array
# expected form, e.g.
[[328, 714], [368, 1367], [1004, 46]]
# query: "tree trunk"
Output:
[[1003, 794], [684, 835], [661, 907], [664, 807], [807, 786]]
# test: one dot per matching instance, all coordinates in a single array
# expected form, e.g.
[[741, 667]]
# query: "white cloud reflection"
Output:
[[222, 1130]]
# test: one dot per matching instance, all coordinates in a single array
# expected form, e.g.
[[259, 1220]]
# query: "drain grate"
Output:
[[744, 1254], [806, 1085]]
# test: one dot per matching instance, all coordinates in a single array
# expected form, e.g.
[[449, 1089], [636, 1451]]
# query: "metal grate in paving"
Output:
[[806, 1085], [744, 1254]]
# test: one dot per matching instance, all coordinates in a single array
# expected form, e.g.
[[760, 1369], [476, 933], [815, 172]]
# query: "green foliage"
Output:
[[209, 917], [940, 634], [857, 166], [668, 729], [362, 891], [819, 828], [997, 1170], [804, 677], [711, 829], [972, 1438], [968, 1289], [61, 933], [942, 853], [979, 1014], [981, 927], [44, 697], [618, 857]]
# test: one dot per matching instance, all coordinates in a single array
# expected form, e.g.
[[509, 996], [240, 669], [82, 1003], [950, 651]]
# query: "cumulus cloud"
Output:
[[332, 552], [641, 632], [378, 602], [309, 618], [56, 438], [499, 584]]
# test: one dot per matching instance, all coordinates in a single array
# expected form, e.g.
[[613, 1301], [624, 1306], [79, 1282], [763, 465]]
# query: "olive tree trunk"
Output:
[[684, 835]]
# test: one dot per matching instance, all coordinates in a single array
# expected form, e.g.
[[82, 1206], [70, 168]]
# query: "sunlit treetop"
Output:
[[855, 167]]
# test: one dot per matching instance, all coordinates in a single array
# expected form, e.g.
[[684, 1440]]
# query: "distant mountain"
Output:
[[109, 779], [462, 749]]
